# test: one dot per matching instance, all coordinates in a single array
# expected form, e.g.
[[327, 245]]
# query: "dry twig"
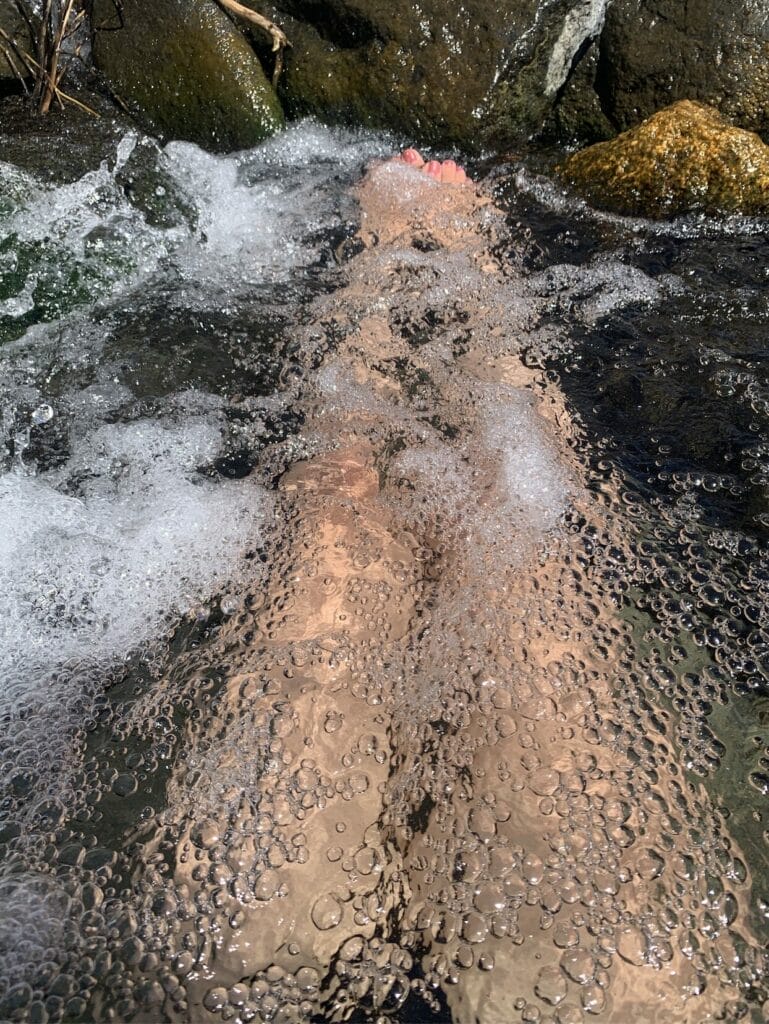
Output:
[[35, 71], [49, 27], [278, 36], [6, 52]]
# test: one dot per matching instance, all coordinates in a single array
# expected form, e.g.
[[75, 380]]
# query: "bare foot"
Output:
[[447, 172]]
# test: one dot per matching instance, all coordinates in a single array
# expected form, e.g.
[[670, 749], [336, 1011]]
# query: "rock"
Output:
[[578, 115], [686, 157], [186, 70], [476, 74], [654, 52], [13, 25]]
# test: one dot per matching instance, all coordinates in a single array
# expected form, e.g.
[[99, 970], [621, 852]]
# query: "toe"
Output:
[[412, 156], [449, 172]]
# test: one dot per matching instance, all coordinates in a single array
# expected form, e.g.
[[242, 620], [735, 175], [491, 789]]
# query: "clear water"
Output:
[[383, 631]]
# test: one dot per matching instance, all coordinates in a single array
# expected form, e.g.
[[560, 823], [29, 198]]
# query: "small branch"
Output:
[[53, 74], [23, 57], [61, 95], [12, 65], [43, 33], [278, 36], [34, 68]]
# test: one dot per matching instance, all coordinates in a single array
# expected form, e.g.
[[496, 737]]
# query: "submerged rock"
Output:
[[475, 74], [686, 157], [185, 68]]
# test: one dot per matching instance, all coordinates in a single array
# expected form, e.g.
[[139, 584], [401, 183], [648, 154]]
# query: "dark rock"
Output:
[[686, 157], [186, 70], [654, 52], [79, 140], [12, 24], [477, 74], [577, 114]]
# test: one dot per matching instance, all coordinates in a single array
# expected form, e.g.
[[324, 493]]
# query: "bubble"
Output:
[[474, 928], [632, 945], [545, 782], [42, 414], [551, 986], [267, 885], [569, 1015], [593, 999], [649, 864], [578, 965], [206, 834], [326, 912], [215, 999]]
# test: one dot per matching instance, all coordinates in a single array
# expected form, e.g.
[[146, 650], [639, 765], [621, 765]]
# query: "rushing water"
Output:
[[383, 633]]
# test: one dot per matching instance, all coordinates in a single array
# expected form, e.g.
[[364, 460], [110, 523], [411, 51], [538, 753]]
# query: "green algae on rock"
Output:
[[187, 70], [684, 158]]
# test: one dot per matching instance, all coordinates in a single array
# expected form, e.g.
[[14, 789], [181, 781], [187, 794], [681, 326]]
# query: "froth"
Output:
[[535, 482], [96, 558]]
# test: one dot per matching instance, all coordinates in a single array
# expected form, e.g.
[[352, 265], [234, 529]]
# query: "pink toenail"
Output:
[[434, 169], [448, 171], [412, 156]]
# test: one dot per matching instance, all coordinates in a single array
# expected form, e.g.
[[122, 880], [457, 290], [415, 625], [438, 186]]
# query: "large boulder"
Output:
[[654, 52], [473, 74], [186, 70], [686, 157]]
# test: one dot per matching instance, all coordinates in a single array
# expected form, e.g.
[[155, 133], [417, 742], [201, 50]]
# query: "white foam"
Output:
[[33, 917], [82, 240], [87, 578], [259, 211], [601, 287], [534, 481], [99, 555], [521, 490], [257, 215]]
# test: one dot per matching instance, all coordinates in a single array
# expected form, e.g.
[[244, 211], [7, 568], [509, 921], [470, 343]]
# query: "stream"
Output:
[[383, 628]]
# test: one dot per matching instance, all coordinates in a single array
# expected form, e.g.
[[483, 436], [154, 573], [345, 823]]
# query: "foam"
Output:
[[255, 217], [535, 483], [260, 211], [88, 576], [33, 912], [599, 288], [528, 486], [104, 547]]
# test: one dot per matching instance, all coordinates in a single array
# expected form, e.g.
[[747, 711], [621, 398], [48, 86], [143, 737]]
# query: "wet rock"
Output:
[[187, 70], [11, 24], [474, 74], [578, 114], [654, 52], [686, 157]]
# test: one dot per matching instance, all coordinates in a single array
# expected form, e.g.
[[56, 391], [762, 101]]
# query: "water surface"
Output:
[[384, 634]]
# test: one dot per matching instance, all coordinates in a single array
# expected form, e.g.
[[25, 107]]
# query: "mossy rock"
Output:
[[474, 75], [186, 70], [684, 158]]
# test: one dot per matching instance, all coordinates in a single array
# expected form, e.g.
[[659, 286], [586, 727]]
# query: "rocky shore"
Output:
[[476, 76]]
